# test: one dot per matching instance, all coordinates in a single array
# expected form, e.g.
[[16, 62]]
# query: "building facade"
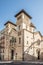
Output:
[[20, 41]]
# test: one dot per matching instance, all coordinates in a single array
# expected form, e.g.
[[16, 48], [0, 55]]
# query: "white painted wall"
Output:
[[27, 37], [37, 36]]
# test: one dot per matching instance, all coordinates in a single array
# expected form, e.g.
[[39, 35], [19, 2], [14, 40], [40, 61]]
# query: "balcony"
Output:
[[12, 41]]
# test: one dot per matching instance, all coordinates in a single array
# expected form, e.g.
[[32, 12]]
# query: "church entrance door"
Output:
[[12, 54]]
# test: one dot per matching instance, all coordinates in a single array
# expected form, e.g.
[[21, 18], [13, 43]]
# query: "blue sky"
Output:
[[8, 8]]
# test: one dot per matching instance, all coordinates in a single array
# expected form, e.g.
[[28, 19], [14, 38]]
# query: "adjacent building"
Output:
[[20, 41]]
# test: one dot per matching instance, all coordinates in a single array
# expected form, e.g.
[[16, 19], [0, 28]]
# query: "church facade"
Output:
[[20, 41]]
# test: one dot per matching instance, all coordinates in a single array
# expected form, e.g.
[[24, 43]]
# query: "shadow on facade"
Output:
[[41, 55], [28, 57]]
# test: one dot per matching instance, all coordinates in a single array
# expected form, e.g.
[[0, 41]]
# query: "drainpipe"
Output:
[[23, 47]]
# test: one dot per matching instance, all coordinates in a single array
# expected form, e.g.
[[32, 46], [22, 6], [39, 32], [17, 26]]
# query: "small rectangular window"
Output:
[[15, 40], [19, 40], [19, 27], [27, 42]]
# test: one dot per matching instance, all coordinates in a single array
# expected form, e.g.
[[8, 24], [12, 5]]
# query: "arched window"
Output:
[[38, 53]]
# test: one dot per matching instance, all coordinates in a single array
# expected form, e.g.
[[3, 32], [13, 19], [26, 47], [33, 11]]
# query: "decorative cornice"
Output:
[[10, 22], [24, 13]]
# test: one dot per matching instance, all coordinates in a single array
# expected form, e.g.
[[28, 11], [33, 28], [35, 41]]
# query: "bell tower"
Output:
[[23, 19]]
